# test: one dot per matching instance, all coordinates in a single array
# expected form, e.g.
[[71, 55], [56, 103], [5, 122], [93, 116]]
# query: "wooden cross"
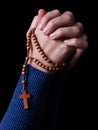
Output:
[[25, 97]]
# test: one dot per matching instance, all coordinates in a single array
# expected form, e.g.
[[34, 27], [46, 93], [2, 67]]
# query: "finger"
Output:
[[84, 37], [70, 17], [33, 24], [77, 42], [66, 32], [74, 59], [61, 21], [41, 13], [79, 25], [47, 17]]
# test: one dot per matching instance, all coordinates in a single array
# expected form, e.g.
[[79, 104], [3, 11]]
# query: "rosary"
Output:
[[55, 67]]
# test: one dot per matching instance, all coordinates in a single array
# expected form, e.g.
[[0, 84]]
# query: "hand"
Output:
[[63, 26], [59, 36]]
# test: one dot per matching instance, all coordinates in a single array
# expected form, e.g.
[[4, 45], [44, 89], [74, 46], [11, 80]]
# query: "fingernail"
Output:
[[40, 26], [76, 29], [45, 31], [67, 42], [52, 35]]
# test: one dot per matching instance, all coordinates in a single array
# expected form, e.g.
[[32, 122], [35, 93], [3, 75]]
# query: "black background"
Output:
[[78, 105]]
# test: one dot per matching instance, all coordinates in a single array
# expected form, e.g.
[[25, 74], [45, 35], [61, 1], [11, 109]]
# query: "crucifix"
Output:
[[24, 96]]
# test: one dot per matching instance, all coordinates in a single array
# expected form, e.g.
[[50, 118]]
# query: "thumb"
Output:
[[33, 25], [37, 18], [34, 22]]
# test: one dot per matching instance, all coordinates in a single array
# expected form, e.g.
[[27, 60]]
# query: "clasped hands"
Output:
[[61, 38]]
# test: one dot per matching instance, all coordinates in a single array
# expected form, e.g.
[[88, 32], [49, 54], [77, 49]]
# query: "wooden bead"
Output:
[[43, 66], [34, 60], [23, 72], [27, 58], [27, 44], [28, 48], [46, 67], [23, 81], [24, 66], [41, 52], [23, 69], [48, 60]]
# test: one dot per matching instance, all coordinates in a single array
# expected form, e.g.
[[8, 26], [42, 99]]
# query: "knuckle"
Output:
[[45, 17], [77, 30], [70, 13], [69, 17], [60, 31], [80, 26], [52, 23], [74, 41], [56, 11]]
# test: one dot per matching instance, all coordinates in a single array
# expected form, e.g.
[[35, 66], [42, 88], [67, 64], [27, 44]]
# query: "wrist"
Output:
[[42, 66]]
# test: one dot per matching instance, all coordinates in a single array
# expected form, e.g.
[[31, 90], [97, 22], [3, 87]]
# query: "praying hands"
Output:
[[60, 37]]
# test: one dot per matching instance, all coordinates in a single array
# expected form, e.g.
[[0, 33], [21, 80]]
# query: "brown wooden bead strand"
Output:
[[33, 36], [55, 67], [24, 95], [24, 72]]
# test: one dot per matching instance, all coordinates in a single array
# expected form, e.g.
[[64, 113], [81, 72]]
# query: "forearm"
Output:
[[16, 116]]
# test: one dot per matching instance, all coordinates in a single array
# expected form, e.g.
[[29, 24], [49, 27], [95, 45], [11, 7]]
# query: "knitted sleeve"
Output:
[[18, 118]]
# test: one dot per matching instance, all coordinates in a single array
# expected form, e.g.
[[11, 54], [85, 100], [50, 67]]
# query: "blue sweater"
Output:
[[34, 118]]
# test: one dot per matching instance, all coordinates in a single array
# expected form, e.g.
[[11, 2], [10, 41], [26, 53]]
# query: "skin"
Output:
[[60, 37]]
